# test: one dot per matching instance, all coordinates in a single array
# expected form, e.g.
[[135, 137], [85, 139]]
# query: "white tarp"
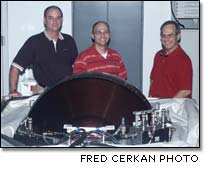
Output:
[[14, 113], [184, 114]]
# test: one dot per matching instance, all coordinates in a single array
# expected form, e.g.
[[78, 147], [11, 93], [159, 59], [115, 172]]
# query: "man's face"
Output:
[[101, 34], [169, 38], [53, 20]]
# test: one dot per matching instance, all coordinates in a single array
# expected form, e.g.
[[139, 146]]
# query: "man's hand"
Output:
[[183, 93], [14, 94]]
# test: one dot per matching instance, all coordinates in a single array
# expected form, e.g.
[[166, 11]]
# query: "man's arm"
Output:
[[182, 93], [13, 81], [79, 65], [151, 81]]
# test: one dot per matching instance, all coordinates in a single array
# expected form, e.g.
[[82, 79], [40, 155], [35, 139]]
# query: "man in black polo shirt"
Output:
[[51, 54]]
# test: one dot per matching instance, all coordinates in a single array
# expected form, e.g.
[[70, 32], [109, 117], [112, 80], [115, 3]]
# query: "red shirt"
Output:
[[91, 60], [171, 74]]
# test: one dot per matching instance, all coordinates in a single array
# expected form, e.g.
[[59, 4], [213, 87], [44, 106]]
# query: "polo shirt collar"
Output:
[[60, 36], [176, 51], [94, 48]]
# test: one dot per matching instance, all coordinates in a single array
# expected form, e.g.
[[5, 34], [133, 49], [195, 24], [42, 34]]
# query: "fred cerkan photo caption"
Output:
[[132, 158]]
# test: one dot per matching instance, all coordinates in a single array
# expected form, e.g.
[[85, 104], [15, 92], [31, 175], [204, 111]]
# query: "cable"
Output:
[[80, 140], [100, 132]]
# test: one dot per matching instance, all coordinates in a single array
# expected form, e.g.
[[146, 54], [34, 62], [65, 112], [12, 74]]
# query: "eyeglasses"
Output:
[[101, 33], [169, 36], [51, 18]]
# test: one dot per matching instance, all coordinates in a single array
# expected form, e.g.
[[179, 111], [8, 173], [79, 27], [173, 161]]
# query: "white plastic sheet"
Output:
[[184, 114], [14, 113]]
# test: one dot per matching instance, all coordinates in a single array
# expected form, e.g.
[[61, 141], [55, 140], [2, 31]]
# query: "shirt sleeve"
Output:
[[153, 71], [75, 50], [25, 56], [185, 75], [79, 65], [123, 72]]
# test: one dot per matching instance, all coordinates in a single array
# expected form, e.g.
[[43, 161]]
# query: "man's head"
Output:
[[170, 34], [53, 18], [101, 33]]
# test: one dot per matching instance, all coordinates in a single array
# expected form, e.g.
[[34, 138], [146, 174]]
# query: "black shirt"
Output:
[[49, 65]]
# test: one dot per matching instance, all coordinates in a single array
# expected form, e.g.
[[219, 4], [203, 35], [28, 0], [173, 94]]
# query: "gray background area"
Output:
[[125, 20]]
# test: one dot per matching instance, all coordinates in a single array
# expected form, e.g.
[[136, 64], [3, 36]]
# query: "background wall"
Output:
[[151, 42], [125, 26], [190, 43], [22, 19], [151, 35], [4, 45]]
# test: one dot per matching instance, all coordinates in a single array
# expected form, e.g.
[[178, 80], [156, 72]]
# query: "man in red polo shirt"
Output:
[[171, 75], [98, 57]]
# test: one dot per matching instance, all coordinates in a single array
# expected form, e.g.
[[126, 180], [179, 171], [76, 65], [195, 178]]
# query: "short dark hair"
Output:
[[104, 22], [52, 7], [170, 22]]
